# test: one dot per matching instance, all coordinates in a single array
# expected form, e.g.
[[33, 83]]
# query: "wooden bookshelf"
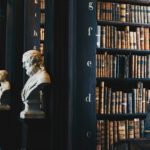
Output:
[[139, 2], [122, 24], [120, 116], [122, 51], [119, 85]]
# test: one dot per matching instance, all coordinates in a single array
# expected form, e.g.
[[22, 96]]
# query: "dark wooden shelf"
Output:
[[42, 10], [41, 41], [118, 23], [42, 25], [120, 116], [139, 2], [123, 80], [122, 51]]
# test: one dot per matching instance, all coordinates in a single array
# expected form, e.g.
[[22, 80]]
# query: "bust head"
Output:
[[32, 62], [3, 75]]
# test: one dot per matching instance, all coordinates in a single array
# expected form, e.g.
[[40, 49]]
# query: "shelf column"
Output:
[[85, 66]]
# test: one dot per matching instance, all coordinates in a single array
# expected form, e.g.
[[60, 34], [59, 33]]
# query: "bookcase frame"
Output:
[[125, 52]]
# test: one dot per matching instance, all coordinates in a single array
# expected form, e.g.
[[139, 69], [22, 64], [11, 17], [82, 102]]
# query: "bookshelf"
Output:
[[122, 70], [42, 25]]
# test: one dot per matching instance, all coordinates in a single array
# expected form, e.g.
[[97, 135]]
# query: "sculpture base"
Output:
[[4, 107], [32, 114]]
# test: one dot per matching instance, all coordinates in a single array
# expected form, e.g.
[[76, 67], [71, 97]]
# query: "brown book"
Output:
[[101, 97], [131, 40], [138, 38], [120, 103], [146, 38], [98, 10], [142, 38], [123, 12], [134, 40], [107, 132], [121, 130], [123, 40], [111, 132], [127, 38], [144, 101], [98, 135], [119, 39], [115, 131], [113, 104], [103, 11], [97, 99], [124, 103], [109, 101], [133, 66], [136, 128], [103, 134]]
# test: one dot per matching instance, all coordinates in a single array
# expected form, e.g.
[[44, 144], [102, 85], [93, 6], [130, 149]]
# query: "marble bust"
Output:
[[4, 90], [32, 93]]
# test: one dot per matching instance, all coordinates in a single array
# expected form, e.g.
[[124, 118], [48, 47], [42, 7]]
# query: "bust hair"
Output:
[[33, 57], [4, 73]]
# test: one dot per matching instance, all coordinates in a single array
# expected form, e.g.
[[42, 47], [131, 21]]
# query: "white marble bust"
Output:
[[4, 88], [38, 77]]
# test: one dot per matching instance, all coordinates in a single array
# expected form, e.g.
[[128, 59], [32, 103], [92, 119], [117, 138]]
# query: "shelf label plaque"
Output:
[[89, 30], [88, 98], [91, 8], [89, 63]]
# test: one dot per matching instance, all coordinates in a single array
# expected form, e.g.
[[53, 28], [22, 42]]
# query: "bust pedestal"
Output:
[[32, 109], [34, 105]]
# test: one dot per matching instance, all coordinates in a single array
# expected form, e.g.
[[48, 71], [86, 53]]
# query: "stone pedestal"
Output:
[[32, 109]]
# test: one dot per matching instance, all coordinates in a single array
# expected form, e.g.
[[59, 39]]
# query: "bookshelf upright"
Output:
[[122, 70]]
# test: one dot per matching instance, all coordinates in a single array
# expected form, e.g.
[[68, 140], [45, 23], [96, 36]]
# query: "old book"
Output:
[[121, 130], [97, 99], [136, 128], [146, 38], [130, 129], [123, 12], [98, 10]]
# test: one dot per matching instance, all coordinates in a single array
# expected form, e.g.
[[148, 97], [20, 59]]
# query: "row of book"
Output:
[[110, 101], [112, 37], [123, 12], [122, 66], [110, 132]]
